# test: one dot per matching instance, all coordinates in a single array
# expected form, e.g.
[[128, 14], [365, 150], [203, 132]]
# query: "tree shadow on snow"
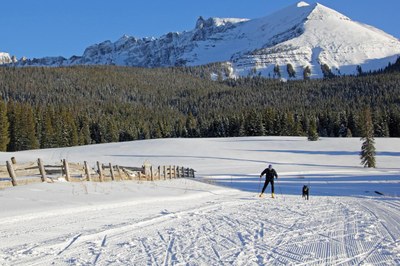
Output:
[[168, 156], [330, 153], [320, 184]]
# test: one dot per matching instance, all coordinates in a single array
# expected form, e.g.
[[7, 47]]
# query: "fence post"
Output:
[[100, 171], [151, 173], [66, 169], [112, 173], [13, 160], [119, 173], [174, 171], [170, 172], [165, 172], [87, 171], [41, 170], [11, 172]]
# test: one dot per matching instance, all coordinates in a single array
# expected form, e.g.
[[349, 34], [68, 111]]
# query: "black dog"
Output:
[[306, 192]]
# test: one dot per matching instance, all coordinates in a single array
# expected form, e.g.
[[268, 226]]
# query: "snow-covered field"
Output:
[[215, 219]]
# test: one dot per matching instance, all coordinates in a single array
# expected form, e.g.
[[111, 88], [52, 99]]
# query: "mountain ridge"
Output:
[[302, 35]]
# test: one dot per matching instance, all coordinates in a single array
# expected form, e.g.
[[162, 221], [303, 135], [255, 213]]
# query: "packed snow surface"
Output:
[[216, 218]]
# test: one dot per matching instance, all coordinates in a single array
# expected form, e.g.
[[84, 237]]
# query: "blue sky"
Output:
[[38, 28]]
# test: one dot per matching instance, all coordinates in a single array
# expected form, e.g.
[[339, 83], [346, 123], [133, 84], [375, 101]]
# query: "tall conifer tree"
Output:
[[4, 125], [312, 133], [367, 153]]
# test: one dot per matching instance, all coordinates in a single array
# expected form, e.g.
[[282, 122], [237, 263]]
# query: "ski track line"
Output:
[[233, 231], [149, 252], [116, 232], [70, 244], [168, 251], [365, 256], [102, 245], [382, 213], [38, 227], [356, 259], [104, 206]]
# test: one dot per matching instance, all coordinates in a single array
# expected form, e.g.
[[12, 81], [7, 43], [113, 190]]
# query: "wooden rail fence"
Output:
[[14, 174]]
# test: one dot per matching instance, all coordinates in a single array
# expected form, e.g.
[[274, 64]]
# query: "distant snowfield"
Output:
[[215, 219]]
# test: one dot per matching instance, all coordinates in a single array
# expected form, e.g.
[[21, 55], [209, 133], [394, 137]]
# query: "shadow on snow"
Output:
[[320, 184]]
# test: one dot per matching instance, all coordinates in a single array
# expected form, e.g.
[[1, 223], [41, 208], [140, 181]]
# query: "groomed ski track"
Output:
[[216, 218], [215, 227]]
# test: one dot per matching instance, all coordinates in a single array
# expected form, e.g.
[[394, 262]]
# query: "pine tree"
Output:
[[48, 135], [359, 70], [367, 153], [28, 119], [342, 131], [291, 125], [277, 71], [381, 126], [179, 129], [235, 125], [111, 133], [22, 128], [312, 134], [352, 125], [67, 131], [268, 120], [4, 124], [191, 126], [326, 71], [254, 124], [84, 131], [291, 71], [348, 133], [394, 124], [307, 73]]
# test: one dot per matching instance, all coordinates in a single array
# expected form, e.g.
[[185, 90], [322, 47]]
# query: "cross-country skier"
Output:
[[270, 173]]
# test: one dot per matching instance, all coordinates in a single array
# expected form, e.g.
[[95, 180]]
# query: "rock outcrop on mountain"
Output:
[[5, 58], [309, 39]]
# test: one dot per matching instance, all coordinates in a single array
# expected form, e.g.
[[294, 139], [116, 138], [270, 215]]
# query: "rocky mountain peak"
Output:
[[5, 58], [303, 35]]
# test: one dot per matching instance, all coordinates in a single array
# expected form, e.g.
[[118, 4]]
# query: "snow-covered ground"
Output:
[[216, 218]]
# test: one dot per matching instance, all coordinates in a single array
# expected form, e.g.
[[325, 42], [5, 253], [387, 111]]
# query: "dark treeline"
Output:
[[57, 107]]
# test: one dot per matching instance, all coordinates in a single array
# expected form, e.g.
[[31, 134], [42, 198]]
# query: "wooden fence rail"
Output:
[[14, 174]]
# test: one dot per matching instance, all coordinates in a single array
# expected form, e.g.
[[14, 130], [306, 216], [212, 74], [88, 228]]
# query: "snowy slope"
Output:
[[302, 35], [4, 58], [216, 218], [324, 36]]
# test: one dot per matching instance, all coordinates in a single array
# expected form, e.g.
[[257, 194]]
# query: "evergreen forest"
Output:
[[45, 107]]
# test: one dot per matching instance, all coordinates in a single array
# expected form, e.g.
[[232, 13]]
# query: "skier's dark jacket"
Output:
[[269, 174]]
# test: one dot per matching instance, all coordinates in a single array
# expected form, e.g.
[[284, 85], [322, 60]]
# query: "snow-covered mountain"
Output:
[[302, 35], [5, 58]]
